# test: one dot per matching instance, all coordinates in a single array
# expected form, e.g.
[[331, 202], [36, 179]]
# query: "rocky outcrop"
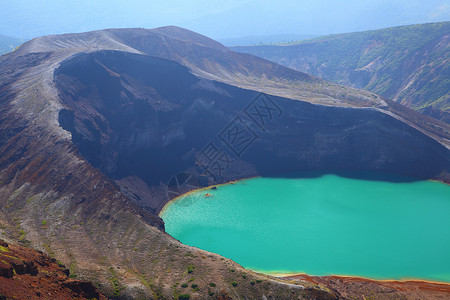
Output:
[[27, 273]]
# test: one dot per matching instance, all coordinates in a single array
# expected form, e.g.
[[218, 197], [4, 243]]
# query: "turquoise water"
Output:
[[321, 226]]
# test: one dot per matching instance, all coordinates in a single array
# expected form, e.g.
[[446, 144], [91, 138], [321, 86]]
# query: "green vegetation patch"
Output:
[[117, 289], [115, 283], [190, 269]]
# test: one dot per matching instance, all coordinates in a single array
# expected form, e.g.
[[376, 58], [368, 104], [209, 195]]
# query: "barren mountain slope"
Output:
[[93, 129]]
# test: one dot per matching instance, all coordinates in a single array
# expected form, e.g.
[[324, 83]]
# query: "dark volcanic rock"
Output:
[[134, 115], [83, 289], [6, 270]]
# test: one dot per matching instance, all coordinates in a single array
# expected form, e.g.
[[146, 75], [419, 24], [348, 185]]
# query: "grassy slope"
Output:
[[393, 57]]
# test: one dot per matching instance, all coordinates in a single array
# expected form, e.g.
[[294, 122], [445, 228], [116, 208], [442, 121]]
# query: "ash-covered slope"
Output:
[[209, 59], [94, 132]]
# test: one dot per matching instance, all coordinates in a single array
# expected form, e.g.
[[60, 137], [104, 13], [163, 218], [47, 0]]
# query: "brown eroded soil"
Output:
[[29, 274], [362, 288]]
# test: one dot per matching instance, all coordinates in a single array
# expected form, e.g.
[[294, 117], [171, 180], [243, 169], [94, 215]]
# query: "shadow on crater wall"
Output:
[[147, 119]]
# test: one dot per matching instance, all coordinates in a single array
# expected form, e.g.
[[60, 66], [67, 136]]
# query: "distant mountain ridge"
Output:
[[409, 64], [8, 44], [265, 39]]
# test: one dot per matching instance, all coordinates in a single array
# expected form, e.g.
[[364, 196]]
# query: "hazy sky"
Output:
[[217, 19]]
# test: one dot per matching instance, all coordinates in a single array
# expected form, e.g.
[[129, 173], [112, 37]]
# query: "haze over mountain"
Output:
[[97, 129], [218, 19], [8, 44], [409, 64], [265, 39]]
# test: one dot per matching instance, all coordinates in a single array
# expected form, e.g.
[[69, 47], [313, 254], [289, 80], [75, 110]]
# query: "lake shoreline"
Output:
[[354, 277], [209, 187], [360, 287], [295, 275], [247, 178]]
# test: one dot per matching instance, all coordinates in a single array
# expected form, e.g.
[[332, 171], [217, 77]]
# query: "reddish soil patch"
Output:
[[363, 288], [28, 274]]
